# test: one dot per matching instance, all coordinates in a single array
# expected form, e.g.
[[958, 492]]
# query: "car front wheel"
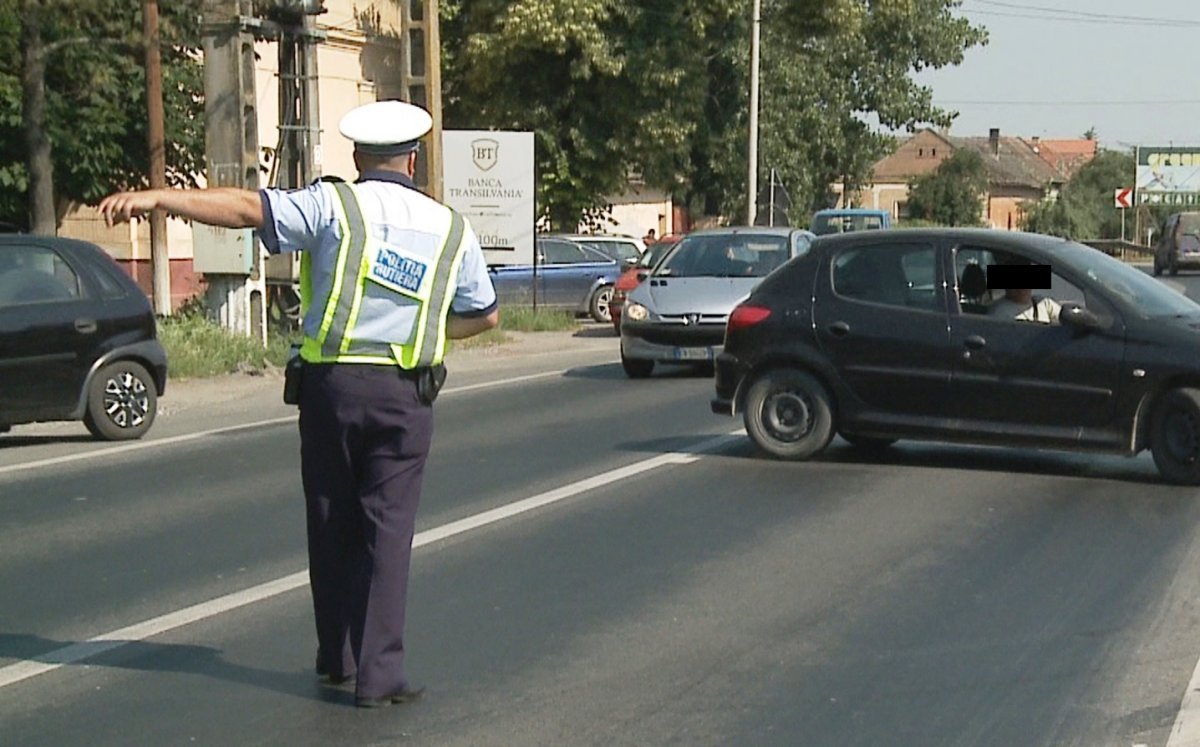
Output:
[[121, 402], [599, 304], [1175, 436], [788, 414]]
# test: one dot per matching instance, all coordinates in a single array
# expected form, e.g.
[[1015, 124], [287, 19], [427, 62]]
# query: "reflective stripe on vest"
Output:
[[334, 341]]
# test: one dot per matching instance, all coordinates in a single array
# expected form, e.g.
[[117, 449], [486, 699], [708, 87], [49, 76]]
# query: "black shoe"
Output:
[[406, 695]]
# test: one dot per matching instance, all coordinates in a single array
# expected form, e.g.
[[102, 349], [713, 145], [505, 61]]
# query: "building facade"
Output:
[[1019, 171]]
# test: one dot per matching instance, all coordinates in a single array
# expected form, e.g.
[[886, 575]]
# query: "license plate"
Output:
[[693, 354]]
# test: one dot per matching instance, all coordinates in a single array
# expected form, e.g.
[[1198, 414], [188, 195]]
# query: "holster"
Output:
[[429, 383], [293, 375]]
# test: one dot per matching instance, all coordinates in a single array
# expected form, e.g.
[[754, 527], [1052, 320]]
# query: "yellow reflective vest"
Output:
[[429, 282]]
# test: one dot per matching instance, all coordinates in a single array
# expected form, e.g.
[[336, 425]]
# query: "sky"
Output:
[[1057, 68]]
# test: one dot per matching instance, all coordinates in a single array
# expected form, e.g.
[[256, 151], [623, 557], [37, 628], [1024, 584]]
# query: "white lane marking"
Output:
[[1186, 731], [76, 652], [172, 440]]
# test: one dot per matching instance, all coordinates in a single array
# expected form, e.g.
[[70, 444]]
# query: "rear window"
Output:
[[35, 274], [827, 224], [615, 249], [107, 276]]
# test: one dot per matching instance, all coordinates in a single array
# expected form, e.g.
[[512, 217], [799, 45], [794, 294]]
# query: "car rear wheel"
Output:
[[1157, 268], [788, 414], [599, 304], [636, 369], [121, 402], [1172, 266], [1175, 436], [867, 443]]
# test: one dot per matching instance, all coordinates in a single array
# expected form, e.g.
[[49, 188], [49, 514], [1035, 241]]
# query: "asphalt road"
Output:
[[600, 562]]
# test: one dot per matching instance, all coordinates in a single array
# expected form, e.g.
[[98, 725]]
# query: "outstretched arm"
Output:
[[228, 207], [458, 327]]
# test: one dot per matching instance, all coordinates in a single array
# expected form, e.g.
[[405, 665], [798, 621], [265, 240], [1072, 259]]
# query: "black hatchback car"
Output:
[[884, 335], [78, 339]]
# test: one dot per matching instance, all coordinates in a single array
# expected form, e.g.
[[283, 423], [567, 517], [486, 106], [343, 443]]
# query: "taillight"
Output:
[[746, 315]]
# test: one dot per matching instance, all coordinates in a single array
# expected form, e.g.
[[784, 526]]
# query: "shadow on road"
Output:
[[937, 455], [13, 442], [603, 329], [661, 371], [144, 656]]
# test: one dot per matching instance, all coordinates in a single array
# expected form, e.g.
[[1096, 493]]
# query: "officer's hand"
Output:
[[125, 206]]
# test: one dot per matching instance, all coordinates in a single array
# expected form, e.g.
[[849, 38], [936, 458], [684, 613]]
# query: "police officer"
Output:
[[387, 276]]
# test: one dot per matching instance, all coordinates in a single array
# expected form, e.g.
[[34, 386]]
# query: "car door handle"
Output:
[[85, 326], [839, 329], [975, 342]]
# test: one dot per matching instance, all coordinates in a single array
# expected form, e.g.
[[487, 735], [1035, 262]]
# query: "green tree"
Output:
[[953, 194], [660, 88], [1084, 205], [72, 102]]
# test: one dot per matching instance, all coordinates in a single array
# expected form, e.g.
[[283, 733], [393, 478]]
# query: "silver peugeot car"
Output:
[[678, 313]]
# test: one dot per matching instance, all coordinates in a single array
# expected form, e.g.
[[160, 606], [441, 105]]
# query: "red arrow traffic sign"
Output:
[[1123, 198]]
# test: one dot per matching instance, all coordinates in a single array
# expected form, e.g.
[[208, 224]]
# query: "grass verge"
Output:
[[198, 347]]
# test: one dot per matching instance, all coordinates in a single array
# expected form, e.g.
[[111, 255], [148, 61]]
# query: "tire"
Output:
[[1157, 268], [1172, 267], [867, 443], [598, 306], [788, 414], [1175, 436], [636, 369], [121, 402]]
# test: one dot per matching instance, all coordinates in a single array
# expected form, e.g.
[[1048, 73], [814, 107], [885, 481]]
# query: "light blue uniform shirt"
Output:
[[396, 214]]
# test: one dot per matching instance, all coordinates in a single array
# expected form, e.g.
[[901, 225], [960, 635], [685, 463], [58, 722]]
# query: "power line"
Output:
[[1164, 102], [1091, 21], [1080, 14]]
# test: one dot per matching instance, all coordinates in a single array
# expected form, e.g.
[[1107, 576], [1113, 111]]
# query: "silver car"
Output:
[[678, 313]]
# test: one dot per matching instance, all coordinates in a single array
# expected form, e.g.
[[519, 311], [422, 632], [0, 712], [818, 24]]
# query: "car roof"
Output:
[[1050, 246], [760, 230], [24, 239], [849, 211], [590, 236]]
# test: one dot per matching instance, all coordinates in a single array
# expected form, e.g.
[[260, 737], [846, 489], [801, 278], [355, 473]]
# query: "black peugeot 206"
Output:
[[888, 335]]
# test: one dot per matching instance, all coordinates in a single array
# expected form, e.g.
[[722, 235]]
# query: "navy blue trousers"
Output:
[[364, 437]]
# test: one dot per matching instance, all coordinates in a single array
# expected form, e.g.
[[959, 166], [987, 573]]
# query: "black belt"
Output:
[[404, 373]]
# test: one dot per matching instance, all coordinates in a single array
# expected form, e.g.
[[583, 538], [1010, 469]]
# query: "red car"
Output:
[[634, 275]]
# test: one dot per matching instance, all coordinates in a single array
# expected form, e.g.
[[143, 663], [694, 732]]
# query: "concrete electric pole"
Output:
[[752, 184], [160, 261]]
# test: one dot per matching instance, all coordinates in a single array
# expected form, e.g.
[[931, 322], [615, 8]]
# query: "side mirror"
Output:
[[642, 275], [1078, 318]]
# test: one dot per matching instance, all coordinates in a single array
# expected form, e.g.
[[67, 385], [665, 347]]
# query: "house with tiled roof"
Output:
[[1019, 171]]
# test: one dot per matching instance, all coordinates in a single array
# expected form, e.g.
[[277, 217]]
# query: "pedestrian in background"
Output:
[[387, 276]]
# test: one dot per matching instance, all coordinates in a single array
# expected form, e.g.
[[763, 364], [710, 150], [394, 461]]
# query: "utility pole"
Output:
[[753, 180], [160, 261]]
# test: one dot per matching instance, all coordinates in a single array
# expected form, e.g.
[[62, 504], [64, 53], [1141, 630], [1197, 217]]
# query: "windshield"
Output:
[[1133, 287], [833, 223], [726, 256], [654, 253]]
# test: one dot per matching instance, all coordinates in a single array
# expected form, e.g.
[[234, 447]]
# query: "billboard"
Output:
[[488, 177], [1168, 175]]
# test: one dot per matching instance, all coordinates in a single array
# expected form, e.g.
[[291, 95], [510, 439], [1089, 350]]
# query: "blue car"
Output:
[[569, 276]]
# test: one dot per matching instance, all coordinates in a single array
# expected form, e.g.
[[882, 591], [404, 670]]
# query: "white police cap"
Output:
[[386, 128]]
